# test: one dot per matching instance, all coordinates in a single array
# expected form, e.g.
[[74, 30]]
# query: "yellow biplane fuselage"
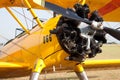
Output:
[[40, 44], [19, 56]]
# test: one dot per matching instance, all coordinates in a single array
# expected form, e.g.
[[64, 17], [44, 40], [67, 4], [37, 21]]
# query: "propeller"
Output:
[[70, 14], [113, 32], [65, 12]]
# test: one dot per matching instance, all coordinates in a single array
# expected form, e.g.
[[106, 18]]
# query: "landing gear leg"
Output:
[[37, 69], [80, 72]]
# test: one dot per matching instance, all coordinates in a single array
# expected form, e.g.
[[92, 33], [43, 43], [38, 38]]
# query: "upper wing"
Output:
[[109, 9], [36, 3], [21, 3]]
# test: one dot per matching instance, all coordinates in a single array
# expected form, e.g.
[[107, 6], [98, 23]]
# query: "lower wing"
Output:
[[8, 69]]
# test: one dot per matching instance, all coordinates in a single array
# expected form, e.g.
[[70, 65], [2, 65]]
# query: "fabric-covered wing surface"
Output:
[[8, 69], [109, 9]]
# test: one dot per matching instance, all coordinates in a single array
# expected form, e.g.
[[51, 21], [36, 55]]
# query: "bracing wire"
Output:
[[25, 18], [21, 14]]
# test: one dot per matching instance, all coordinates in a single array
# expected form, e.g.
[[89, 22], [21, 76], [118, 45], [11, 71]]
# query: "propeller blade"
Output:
[[70, 14], [65, 12], [113, 32]]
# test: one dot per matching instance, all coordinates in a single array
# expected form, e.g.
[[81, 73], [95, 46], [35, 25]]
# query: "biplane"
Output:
[[46, 44]]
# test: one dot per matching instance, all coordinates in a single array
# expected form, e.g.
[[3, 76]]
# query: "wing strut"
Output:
[[39, 66], [33, 13], [83, 2], [80, 72], [13, 15]]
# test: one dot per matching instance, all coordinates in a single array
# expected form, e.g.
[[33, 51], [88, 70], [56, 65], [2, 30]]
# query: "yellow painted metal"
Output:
[[27, 49], [101, 63], [40, 2], [19, 22], [39, 66], [78, 68], [33, 47], [83, 2], [33, 13], [93, 4], [12, 65]]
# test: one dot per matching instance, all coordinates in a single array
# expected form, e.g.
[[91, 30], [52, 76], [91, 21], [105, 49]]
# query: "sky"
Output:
[[8, 24]]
